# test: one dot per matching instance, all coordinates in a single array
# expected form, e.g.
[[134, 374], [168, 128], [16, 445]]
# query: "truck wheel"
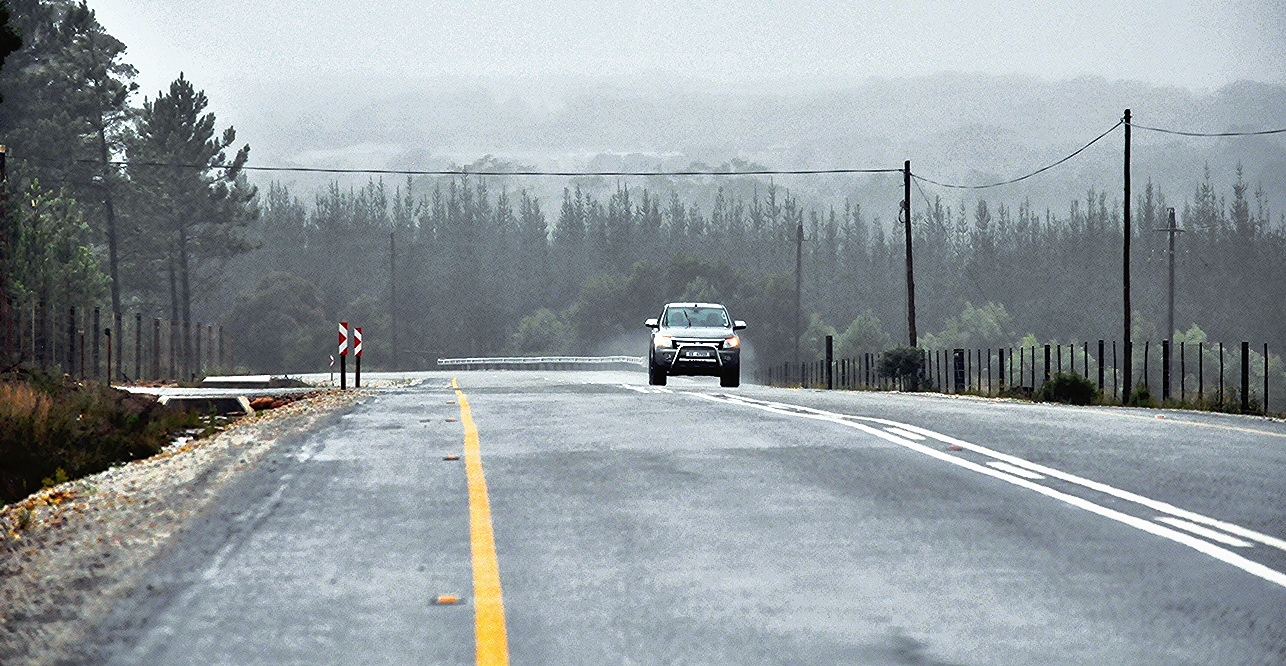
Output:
[[656, 376], [731, 378]]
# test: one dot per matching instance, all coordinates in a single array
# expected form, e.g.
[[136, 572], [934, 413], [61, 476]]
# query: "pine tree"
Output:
[[194, 204]]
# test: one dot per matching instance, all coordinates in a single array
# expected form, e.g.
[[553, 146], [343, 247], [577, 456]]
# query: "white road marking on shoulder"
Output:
[[1126, 495], [1182, 538], [904, 433], [1205, 532], [1014, 469], [640, 389]]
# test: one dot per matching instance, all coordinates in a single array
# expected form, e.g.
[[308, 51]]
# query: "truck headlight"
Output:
[[731, 342], [662, 341]]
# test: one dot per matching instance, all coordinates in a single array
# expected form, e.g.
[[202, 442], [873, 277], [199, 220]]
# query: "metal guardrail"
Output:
[[542, 362]]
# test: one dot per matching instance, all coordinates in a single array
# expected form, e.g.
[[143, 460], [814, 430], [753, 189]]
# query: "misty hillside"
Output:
[[956, 128]]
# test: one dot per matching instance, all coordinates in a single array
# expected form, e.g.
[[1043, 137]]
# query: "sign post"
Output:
[[343, 355], [357, 354]]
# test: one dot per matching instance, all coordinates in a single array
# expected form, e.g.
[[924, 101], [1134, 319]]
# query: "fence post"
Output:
[[196, 352], [1245, 377], [830, 358], [138, 346], [1183, 371], [958, 370], [71, 341], [1265, 379], [1101, 361], [156, 348], [108, 332], [1165, 370], [97, 341], [1048, 349], [1220, 375]]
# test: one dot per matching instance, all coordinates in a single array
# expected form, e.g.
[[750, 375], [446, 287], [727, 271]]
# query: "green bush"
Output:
[[1141, 396], [903, 363], [53, 430], [1068, 388]]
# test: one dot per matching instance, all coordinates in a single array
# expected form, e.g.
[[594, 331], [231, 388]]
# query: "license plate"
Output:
[[699, 354]]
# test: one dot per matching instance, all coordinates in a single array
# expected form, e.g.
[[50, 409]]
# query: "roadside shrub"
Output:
[[903, 363], [1141, 396], [1068, 388], [52, 430]]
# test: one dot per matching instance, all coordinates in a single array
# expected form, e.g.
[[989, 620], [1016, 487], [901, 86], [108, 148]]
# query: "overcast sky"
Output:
[[1199, 44]]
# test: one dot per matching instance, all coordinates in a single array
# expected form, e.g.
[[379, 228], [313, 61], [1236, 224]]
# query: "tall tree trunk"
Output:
[[110, 209], [185, 297], [174, 294]]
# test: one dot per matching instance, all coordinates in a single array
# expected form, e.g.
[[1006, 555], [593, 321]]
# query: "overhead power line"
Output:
[[1039, 171], [1184, 133], [523, 172]]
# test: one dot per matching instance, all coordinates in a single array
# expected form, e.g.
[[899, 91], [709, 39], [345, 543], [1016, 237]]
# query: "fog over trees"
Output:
[[493, 263]]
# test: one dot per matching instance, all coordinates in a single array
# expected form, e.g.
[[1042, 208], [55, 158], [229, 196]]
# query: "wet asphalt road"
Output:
[[639, 526]]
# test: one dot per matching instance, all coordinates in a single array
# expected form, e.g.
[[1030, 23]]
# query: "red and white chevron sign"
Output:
[[357, 341], [343, 338]]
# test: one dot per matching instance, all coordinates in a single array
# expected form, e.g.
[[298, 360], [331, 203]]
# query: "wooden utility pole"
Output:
[[910, 272], [392, 294], [799, 284], [1172, 229], [1125, 273]]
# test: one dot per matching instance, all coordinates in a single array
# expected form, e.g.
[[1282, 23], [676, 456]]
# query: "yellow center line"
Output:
[[489, 607]]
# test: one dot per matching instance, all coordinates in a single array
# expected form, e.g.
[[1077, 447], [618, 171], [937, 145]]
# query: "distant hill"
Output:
[[959, 128]]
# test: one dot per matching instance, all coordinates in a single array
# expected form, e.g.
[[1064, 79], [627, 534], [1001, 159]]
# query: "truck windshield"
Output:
[[696, 316]]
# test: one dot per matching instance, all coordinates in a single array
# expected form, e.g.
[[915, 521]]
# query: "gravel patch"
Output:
[[69, 552]]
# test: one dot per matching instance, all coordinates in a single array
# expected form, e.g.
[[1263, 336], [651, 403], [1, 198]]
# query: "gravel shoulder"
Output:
[[86, 543]]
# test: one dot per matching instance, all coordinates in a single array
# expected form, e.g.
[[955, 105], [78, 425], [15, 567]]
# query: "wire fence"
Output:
[[90, 343], [1240, 378]]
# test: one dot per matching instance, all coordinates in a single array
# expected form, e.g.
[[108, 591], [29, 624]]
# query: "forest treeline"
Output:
[[482, 270], [147, 208], [134, 208]]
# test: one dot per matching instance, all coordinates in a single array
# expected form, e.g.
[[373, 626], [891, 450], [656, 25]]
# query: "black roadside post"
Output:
[[357, 357], [1245, 377], [830, 362], [343, 355], [1101, 362], [1047, 350], [958, 369], [1265, 379], [1165, 370]]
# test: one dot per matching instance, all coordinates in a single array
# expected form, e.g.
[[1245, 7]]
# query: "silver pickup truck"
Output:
[[695, 339]]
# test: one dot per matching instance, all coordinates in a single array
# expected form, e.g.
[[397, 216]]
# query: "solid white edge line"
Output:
[[1204, 532], [1228, 557], [1015, 470], [1126, 495]]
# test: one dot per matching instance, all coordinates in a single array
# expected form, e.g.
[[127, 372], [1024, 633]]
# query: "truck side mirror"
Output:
[[737, 324], [651, 323]]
